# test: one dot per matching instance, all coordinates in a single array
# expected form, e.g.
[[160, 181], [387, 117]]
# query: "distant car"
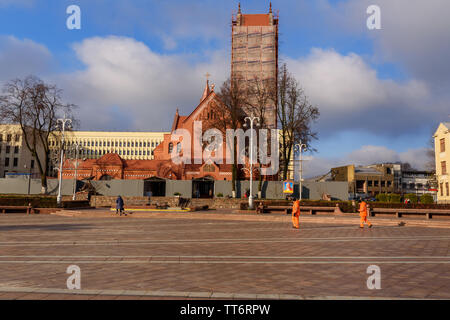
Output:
[[365, 198]]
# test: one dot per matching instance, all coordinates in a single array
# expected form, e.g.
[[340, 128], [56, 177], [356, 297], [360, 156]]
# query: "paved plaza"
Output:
[[220, 256]]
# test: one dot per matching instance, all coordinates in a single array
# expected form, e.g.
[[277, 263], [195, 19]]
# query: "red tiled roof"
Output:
[[182, 118], [255, 20], [110, 159], [222, 167], [82, 164], [143, 164]]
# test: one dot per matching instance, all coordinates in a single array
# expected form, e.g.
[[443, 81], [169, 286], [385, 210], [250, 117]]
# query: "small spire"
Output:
[[207, 89], [239, 10], [270, 9]]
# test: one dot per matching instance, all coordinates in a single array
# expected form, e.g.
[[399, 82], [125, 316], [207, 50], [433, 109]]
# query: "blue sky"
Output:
[[381, 92]]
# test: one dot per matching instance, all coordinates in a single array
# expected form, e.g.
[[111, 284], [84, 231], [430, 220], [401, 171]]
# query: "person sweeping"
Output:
[[119, 205], [363, 214], [296, 214]]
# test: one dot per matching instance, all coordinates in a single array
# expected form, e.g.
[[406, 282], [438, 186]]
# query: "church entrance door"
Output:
[[155, 186], [203, 187]]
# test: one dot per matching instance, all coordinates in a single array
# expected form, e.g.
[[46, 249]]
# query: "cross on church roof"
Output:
[[207, 75]]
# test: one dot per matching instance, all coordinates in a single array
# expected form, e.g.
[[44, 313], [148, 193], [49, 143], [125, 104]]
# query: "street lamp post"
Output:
[[29, 178], [77, 148], [63, 123], [300, 147], [251, 119]]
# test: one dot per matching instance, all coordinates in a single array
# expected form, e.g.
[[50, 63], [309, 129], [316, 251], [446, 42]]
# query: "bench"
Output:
[[312, 210], [27, 209], [261, 208], [399, 212]]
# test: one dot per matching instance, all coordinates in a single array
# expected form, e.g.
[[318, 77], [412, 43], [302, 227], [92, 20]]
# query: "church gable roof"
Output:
[[207, 97], [204, 104]]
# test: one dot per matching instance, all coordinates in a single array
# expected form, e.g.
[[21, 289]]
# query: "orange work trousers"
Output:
[[295, 220], [363, 219]]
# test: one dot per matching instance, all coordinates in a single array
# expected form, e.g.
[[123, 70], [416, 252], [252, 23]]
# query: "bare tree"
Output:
[[35, 106], [262, 95], [229, 114], [295, 116]]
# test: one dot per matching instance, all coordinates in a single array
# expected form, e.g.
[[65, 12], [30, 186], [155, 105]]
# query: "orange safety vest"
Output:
[[296, 208], [363, 209]]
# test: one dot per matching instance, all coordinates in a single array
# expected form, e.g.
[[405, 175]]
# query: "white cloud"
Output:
[[19, 58], [346, 82], [415, 33], [350, 94]]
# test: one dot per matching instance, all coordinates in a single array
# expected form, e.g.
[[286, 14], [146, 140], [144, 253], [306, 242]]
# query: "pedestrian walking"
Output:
[[119, 205], [296, 214], [363, 214]]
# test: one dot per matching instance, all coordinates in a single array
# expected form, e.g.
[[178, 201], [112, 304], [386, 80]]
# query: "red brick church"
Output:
[[112, 166]]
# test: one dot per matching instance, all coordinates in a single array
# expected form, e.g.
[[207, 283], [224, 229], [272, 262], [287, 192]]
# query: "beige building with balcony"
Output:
[[15, 158], [442, 156], [95, 144]]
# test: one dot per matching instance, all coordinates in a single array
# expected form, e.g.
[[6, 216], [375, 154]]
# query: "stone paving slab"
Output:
[[45, 293], [224, 214], [216, 256]]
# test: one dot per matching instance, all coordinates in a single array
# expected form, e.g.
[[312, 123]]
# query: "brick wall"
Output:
[[217, 203]]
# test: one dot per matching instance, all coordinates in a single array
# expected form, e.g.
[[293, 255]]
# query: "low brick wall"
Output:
[[216, 203], [109, 201]]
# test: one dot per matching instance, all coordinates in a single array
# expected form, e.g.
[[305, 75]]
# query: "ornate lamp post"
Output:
[[63, 123], [252, 119], [29, 177], [300, 147], [77, 148]]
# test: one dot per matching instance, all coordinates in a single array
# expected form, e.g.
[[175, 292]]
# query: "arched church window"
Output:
[[170, 147]]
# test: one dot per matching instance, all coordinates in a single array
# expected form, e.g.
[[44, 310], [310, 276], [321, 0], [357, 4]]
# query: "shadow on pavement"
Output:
[[50, 227]]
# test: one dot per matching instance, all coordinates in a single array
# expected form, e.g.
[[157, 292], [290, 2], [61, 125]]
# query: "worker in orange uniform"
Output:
[[363, 214], [295, 214]]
